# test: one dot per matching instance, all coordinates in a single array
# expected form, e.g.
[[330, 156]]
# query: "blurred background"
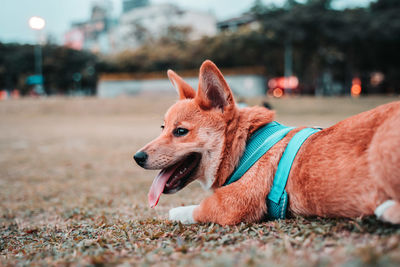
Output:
[[109, 48]]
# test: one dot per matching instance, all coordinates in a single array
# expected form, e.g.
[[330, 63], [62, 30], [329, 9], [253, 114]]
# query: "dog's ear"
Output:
[[184, 89], [213, 90]]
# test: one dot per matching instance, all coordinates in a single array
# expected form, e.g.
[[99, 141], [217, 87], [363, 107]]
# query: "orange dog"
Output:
[[351, 169]]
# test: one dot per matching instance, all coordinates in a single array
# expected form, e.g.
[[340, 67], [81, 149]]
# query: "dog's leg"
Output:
[[228, 205], [182, 214], [231, 205], [389, 211]]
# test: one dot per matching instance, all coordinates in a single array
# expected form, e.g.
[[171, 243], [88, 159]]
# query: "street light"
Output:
[[37, 24]]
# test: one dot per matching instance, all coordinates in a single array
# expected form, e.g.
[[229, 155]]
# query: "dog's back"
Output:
[[350, 167]]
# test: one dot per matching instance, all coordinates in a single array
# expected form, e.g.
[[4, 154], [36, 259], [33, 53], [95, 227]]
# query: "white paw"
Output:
[[380, 210], [182, 214]]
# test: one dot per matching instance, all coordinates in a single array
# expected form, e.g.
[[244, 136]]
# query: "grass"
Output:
[[70, 194]]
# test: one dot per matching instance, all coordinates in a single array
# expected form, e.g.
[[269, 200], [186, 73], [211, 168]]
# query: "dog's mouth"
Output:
[[174, 178]]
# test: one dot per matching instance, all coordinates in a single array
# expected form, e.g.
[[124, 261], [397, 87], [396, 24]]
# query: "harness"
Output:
[[258, 144]]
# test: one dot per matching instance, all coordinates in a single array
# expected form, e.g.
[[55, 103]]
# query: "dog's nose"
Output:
[[140, 158]]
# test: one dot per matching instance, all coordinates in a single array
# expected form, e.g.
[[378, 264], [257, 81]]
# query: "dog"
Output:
[[351, 169]]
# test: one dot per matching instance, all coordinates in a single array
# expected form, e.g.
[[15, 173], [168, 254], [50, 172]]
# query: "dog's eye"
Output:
[[180, 132], [162, 127]]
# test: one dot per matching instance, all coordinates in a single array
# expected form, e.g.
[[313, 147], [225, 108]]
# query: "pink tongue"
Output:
[[158, 185]]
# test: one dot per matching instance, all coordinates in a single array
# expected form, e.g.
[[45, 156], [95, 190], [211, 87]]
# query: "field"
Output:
[[70, 194]]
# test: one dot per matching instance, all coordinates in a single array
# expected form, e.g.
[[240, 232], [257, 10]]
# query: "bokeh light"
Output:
[[37, 23]]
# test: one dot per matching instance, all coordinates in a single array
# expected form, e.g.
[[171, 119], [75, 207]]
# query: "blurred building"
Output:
[[92, 34], [244, 82], [245, 21], [128, 5], [146, 23], [140, 22]]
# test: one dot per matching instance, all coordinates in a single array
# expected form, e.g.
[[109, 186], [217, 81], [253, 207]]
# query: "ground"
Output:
[[70, 194]]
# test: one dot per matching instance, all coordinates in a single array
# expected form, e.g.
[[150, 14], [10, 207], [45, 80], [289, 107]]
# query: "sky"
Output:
[[14, 14]]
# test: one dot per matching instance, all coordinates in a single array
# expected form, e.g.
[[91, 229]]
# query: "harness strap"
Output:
[[277, 198], [285, 164]]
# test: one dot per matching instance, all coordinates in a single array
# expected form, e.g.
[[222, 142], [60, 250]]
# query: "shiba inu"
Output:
[[351, 169]]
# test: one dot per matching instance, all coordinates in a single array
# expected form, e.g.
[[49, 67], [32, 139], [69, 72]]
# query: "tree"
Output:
[[59, 65]]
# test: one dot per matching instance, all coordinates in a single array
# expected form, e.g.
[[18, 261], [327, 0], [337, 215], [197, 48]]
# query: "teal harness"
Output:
[[258, 144]]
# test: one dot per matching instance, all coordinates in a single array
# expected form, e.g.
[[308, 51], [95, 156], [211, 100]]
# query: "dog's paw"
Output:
[[389, 211], [182, 214]]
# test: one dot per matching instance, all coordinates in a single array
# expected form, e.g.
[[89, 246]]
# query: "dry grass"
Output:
[[70, 194]]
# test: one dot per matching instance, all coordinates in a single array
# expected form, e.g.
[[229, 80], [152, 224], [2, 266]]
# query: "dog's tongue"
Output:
[[159, 183]]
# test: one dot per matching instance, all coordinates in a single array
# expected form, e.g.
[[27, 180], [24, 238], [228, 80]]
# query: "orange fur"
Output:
[[346, 170]]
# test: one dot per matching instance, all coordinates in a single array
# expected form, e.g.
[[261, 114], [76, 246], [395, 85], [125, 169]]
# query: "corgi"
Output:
[[351, 169]]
